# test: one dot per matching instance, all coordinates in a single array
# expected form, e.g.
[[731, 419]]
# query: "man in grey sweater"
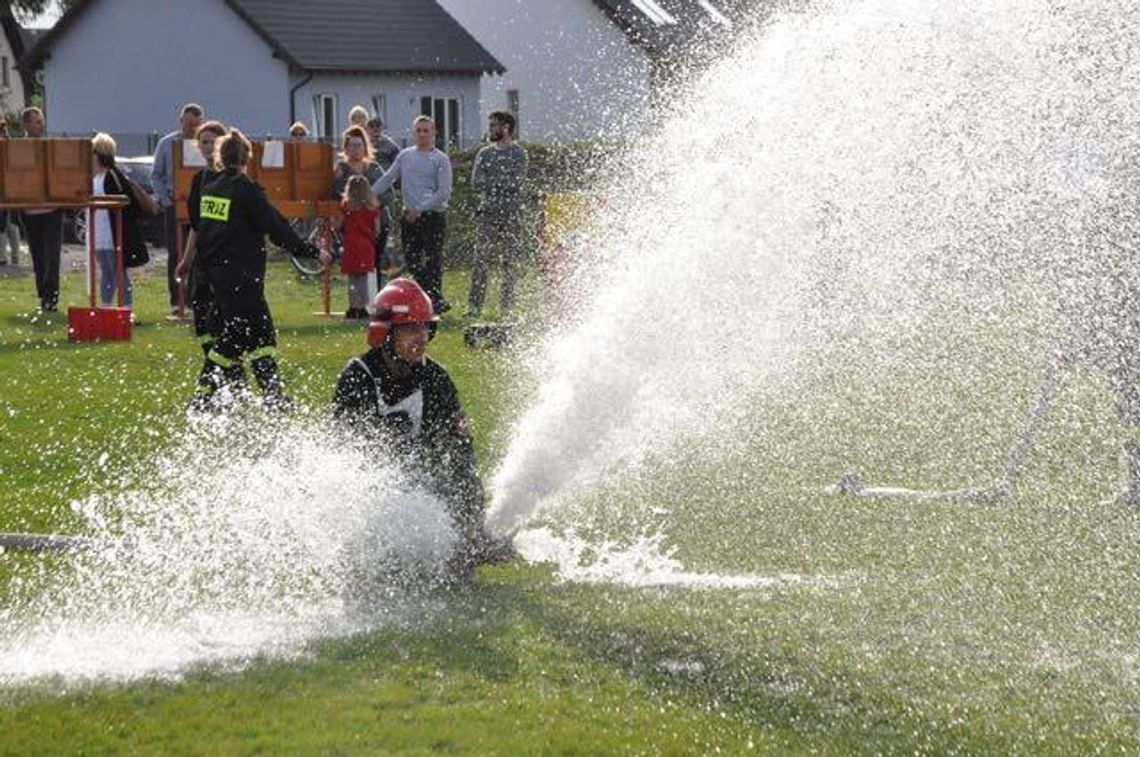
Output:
[[500, 169], [424, 173]]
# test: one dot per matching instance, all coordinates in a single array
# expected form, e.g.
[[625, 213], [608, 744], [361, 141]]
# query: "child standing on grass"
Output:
[[361, 226]]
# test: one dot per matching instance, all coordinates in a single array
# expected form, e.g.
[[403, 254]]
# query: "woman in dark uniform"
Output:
[[234, 219]]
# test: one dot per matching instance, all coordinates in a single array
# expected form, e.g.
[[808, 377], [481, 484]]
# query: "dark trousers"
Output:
[[242, 316], [170, 229], [423, 252], [45, 243], [207, 320]]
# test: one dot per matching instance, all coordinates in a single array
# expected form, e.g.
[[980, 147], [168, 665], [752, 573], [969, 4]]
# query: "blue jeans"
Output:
[[109, 278]]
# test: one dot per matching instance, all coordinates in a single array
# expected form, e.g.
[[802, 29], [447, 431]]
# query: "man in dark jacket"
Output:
[[407, 403], [235, 218], [44, 228]]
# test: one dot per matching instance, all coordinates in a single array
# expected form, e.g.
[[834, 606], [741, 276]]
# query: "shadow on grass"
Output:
[[762, 684]]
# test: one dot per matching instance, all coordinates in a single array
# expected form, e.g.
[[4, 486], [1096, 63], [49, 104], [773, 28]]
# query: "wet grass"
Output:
[[949, 628]]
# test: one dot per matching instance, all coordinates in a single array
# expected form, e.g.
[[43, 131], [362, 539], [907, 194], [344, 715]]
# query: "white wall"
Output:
[[402, 93], [577, 74], [126, 66]]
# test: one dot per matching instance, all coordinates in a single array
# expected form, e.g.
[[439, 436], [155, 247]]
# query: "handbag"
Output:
[[146, 202], [135, 253]]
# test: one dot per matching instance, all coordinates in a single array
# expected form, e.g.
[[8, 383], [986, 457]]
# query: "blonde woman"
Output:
[[358, 116], [355, 160], [107, 179]]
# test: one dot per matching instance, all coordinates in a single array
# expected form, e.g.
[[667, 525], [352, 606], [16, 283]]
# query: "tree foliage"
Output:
[[27, 9]]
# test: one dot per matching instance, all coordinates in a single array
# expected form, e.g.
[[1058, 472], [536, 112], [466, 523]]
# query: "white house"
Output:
[[587, 68], [125, 66], [570, 69], [572, 73]]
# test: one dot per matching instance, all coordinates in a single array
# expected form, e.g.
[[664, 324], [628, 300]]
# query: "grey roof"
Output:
[[367, 35], [666, 25], [342, 35], [30, 36]]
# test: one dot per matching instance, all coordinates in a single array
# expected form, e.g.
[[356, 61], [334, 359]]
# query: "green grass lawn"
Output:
[[948, 628]]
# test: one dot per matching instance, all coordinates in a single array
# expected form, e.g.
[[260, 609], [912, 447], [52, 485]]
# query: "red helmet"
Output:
[[400, 301]]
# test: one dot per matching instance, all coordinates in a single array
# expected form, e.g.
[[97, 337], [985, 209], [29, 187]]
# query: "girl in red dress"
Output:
[[361, 225]]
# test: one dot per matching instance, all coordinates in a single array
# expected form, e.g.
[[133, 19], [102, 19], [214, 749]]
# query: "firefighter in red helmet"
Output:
[[404, 400]]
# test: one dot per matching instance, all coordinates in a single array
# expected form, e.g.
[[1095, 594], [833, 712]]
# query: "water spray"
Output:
[[852, 484], [242, 537]]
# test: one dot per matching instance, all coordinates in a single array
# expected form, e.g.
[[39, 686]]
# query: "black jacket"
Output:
[[134, 245], [194, 197], [234, 219], [418, 421]]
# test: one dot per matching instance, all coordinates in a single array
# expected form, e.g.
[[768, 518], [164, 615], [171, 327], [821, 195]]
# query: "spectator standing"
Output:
[[500, 169], [384, 151], [162, 178], [358, 116], [298, 131], [44, 227], [360, 227], [424, 173], [357, 160], [107, 179], [9, 237], [384, 148]]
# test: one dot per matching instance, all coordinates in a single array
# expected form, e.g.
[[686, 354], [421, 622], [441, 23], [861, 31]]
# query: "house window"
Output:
[[380, 107], [4, 72], [513, 107], [445, 111], [324, 116]]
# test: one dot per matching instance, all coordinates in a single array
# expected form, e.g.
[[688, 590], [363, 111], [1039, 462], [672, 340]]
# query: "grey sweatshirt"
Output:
[[498, 177], [424, 175], [162, 172]]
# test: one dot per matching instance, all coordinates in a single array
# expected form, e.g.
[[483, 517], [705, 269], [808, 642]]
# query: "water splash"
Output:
[[859, 190], [248, 537], [646, 563]]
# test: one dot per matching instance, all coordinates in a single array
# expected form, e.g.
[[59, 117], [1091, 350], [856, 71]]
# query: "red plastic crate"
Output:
[[99, 324]]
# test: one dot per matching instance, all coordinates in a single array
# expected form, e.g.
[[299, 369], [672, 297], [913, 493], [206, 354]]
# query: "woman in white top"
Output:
[[107, 180]]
